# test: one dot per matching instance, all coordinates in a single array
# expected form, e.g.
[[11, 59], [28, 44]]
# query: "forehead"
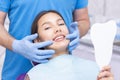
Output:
[[50, 15]]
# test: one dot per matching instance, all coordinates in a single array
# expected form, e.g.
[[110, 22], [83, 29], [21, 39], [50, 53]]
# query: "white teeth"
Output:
[[59, 37]]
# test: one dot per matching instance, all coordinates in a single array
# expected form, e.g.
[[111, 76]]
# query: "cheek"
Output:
[[46, 36], [65, 30]]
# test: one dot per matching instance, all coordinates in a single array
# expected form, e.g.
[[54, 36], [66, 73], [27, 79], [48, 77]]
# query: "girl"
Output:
[[51, 26]]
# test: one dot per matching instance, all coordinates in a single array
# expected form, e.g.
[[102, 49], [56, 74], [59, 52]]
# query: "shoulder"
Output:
[[4, 5]]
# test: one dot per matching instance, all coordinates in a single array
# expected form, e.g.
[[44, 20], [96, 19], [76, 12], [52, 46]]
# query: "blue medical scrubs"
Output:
[[21, 14]]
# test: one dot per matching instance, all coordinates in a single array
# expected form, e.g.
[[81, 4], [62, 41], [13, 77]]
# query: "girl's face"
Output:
[[52, 27]]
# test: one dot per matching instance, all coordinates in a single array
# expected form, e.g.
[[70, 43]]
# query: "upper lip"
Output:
[[58, 35]]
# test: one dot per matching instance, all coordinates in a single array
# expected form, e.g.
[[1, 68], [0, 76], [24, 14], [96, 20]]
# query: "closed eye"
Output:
[[61, 24], [47, 28]]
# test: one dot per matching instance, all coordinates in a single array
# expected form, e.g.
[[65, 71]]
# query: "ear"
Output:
[[37, 40]]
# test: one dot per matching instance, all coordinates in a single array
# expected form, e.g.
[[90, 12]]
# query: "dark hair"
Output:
[[34, 24]]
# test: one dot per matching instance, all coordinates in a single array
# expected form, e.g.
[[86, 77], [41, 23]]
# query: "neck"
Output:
[[58, 53]]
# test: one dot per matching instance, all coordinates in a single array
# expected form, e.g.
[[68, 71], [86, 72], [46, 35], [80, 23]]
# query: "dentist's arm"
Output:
[[81, 16], [5, 39]]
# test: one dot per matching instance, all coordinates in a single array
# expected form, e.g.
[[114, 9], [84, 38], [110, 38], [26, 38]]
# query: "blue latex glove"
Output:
[[73, 36], [31, 50], [117, 37]]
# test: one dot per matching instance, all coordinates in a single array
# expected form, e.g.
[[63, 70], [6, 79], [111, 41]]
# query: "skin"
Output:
[[105, 74], [81, 16], [6, 39]]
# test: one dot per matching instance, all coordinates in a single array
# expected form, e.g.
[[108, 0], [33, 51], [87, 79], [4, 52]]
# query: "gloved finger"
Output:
[[45, 52], [73, 26], [45, 57], [43, 44], [72, 36], [40, 60], [44, 61], [71, 48], [31, 37], [75, 41]]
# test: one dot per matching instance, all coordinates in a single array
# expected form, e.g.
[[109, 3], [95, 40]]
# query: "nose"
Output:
[[58, 29]]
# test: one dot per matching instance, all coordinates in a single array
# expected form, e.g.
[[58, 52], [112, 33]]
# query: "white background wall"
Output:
[[108, 8]]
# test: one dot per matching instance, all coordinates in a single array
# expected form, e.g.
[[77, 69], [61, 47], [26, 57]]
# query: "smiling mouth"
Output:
[[59, 38]]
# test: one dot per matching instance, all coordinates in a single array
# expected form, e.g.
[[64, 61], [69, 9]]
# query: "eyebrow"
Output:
[[49, 22], [45, 23], [60, 19]]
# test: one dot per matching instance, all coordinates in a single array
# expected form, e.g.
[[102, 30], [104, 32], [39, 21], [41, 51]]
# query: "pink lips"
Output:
[[59, 38]]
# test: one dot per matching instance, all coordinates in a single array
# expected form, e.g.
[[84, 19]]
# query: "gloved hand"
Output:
[[31, 50], [73, 36]]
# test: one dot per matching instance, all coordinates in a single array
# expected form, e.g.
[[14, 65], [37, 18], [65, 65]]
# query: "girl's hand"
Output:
[[105, 74]]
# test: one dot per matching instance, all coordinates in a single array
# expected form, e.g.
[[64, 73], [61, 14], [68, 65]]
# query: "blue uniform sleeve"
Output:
[[81, 4], [4, 5]]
